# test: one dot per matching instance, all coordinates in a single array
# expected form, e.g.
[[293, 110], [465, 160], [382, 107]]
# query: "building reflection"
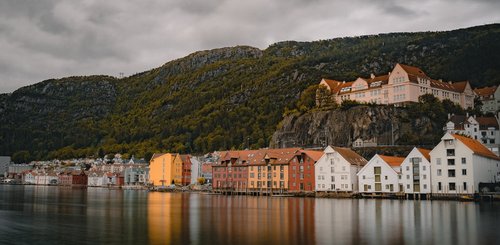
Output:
[[395, 222], [213, 219]]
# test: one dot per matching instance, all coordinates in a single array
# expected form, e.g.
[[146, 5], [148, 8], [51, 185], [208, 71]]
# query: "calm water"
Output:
[[55, 215]]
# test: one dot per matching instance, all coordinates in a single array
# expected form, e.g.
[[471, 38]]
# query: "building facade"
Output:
[[416, 172], [380, 175], [4, 165], [337, 170], [460, 163], [490, 97], [483, 129], [165, 169], [404, 84]]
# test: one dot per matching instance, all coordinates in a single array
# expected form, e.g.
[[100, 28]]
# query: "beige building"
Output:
[[402, 85]]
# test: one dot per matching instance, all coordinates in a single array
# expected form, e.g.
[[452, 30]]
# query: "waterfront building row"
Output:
[[457, 165]]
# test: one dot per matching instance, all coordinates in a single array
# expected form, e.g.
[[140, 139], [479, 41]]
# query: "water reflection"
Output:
[[403, 222], [55, 215], [198, 219]]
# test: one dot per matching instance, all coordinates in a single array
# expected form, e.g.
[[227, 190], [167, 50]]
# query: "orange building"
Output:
[[165, 169]]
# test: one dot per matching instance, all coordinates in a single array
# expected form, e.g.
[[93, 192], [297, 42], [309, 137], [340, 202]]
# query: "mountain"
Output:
[[223, 98]]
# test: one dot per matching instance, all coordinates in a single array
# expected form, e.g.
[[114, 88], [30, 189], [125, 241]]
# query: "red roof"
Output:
[[425, 153], [413, 70], [476, 147], [315, 155], [392, 161], [351, 156], [486, 91]]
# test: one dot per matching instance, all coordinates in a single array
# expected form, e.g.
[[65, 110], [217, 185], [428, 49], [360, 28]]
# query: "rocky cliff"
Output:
[[384, 125]]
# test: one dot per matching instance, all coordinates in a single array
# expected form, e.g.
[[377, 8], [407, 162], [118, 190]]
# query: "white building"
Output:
[[416, 172], [46, 179], [490, 96], [484, 129], [380, 175], [4, 165], [195, 170], [29, 178], [95, 179], [460, 164], [336, 170]]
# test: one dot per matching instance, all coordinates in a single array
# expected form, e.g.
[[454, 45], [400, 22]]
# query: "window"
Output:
[[423, 168], [407, 168], [320, 168], [451, 173], [465, 186], [438, 161], [333, 178], [319, 177], [464, 160], [452, 186], [451, 162], [407, 187], [377, 170], [425, 186], [407, 176], [439, 186], [464, 171], [450, 152], [439, 172], [333, 169], [386, 177], [363, 177], [424, 176]]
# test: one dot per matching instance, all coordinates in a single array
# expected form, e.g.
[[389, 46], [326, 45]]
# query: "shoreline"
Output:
[[394, 196]]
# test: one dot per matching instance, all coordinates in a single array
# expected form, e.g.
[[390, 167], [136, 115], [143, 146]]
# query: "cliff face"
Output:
[[380, 124]]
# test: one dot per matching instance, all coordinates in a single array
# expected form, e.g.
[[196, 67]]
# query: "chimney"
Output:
[[467, 115], [449, 116], [389, 73], [449, 82], [372, 75], [343, 82], [441, 80]]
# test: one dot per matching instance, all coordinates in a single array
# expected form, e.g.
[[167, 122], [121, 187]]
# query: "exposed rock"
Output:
[[341, 128]]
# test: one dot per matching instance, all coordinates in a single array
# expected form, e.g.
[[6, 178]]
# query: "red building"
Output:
[[301, 171], [65, 178], [186, 170], [231, 171], [79, 178]]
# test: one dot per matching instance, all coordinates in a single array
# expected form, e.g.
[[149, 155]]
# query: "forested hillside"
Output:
[[223, 98]]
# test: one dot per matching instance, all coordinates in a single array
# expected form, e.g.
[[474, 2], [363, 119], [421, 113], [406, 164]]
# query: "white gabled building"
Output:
[[380, 175], [460, 164], [484, 129], [336, 170], [416, 172]]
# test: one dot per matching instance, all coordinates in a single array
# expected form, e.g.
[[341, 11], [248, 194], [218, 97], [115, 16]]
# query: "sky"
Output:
[[43, 39]]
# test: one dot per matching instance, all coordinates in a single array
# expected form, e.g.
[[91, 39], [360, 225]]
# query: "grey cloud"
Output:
[[57, 38]]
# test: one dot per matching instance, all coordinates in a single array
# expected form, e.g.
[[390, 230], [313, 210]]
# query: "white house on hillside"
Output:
[[416, 172], [336, 170], [460, 164], [380, 175], [484, 129]]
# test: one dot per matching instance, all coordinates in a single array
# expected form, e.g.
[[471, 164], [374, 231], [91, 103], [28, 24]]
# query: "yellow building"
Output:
[[269, 169], [165, 169]]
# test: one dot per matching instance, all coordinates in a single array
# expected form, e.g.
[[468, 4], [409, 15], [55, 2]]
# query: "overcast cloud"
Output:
[[42, 39]]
